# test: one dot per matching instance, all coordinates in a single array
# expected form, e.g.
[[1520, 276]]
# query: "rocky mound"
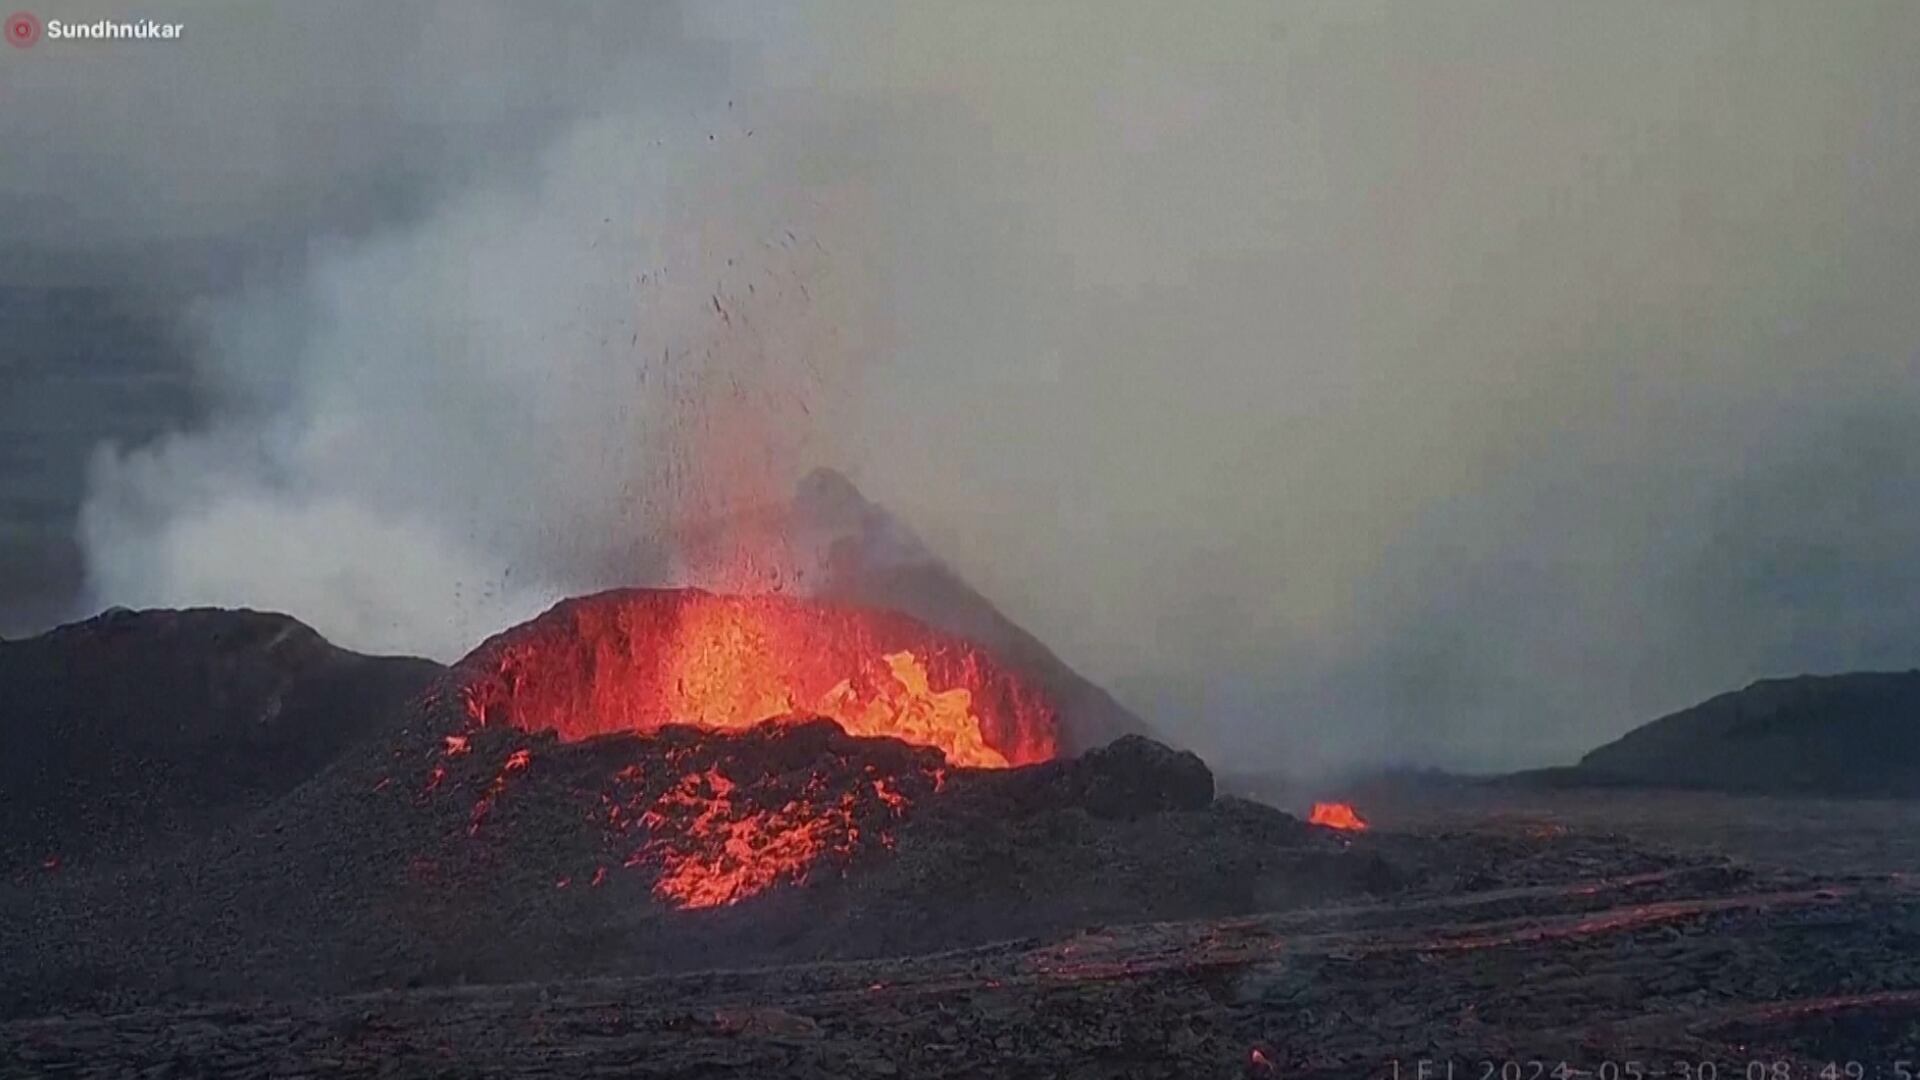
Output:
[[520, 857], [1843, 735], [135, 727]]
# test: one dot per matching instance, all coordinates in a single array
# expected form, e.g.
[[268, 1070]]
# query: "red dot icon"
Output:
[[23, 30]]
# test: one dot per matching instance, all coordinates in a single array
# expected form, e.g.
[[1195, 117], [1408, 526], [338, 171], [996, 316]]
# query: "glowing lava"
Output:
[[1337, 815], [641, 659], [724, 816], [716, 840]]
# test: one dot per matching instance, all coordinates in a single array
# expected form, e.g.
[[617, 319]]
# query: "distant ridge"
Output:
[[1853, 735], [137, 727]]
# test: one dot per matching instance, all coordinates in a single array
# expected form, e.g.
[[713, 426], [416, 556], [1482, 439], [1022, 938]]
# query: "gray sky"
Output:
[[1450, 383]]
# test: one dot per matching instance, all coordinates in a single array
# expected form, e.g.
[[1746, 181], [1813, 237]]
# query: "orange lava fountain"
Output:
[[1337, 815]]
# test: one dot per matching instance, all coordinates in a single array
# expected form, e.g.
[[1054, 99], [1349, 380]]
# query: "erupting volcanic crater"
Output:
[[640, 659], [726, 783]]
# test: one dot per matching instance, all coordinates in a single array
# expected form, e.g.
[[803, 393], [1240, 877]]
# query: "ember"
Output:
[[1337, 815]]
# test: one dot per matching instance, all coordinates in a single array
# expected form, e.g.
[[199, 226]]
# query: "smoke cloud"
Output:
[[1337, 383]]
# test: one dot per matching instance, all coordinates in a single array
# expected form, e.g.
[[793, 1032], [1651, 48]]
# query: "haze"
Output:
[[1452, 384]]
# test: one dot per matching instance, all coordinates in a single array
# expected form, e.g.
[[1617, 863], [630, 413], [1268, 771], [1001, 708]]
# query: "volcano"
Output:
[[850, 620], [719, 819], [642, 780], [860, 758]]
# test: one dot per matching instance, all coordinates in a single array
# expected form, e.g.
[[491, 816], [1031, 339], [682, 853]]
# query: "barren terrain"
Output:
[[317, 864], [1531, 938]]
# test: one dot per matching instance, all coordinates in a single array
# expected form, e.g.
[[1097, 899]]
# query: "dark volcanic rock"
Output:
[[1845, 735], [332, 825], [1746, 974], [1135, 776], [132, 728], [1130, 778], [1067, 918], [404, 864]]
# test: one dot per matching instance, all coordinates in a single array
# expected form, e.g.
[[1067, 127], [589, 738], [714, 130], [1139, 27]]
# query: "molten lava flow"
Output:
[[729, 816], [726, 817], [640, 660], [909, 710], [1337, 815], [715, 850]]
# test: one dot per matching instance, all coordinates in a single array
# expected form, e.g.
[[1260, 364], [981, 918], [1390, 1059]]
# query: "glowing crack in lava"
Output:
[[1337, 815], [719, 824], [717, 840]]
